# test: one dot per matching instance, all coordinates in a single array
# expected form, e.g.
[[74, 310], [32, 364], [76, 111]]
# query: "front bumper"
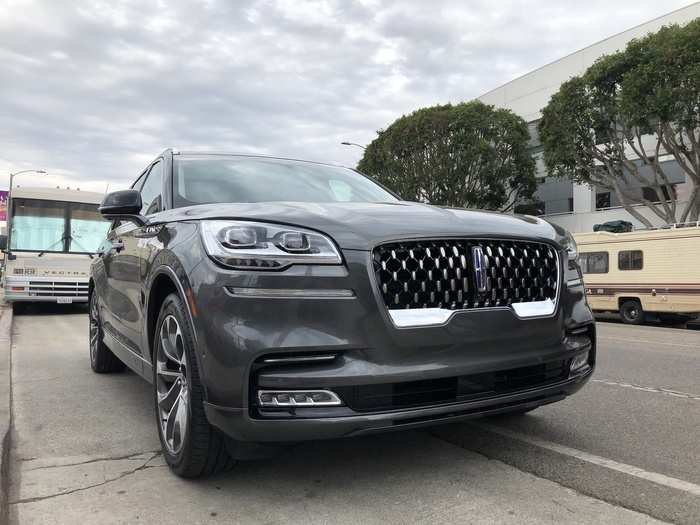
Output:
[[238, 424]]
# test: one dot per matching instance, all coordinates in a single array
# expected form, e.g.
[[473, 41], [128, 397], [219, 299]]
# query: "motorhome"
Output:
[[52, 236], [654, 271]]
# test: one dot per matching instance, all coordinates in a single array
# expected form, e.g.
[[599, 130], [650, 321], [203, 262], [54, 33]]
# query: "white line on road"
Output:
[[645, 341], [630, 470], [656, 390]]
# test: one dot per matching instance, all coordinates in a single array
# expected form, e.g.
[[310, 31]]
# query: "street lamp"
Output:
[[12, 175], [353, 144], [9, 207]]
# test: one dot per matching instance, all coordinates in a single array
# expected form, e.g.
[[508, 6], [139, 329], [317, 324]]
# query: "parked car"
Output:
[[272, 300]]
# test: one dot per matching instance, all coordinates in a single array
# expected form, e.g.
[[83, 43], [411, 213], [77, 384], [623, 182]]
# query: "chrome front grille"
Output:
[[453, 274]]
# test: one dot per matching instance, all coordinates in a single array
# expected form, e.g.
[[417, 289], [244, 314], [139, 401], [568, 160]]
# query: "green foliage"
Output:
[[464, 155], [612, 125]]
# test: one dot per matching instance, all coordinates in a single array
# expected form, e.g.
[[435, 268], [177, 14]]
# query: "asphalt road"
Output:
[[623, 450]]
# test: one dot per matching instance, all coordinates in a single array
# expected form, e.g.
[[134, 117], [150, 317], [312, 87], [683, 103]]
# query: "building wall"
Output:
[[529, 94]]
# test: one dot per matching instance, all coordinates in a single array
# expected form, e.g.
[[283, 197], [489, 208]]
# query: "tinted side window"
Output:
[[150, 192], [630, 260], [594, 262]]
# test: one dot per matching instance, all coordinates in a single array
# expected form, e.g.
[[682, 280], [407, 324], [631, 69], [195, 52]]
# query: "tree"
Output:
[[464, 155], [614, 126]]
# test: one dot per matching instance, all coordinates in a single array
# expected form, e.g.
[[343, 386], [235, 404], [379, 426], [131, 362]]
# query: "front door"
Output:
[[123, 294], [122, 261]]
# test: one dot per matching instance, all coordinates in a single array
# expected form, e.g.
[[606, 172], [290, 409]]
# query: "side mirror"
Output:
[[123, 204], [3, 243]]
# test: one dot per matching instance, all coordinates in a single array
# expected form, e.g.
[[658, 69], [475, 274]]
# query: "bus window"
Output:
[[87, 228], [38, 225]]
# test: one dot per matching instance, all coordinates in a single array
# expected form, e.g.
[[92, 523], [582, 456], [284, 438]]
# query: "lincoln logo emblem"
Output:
[[479, 270]]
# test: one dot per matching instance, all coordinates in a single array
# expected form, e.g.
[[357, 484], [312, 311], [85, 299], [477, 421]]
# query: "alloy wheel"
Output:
[[94, 327], [171, 385]]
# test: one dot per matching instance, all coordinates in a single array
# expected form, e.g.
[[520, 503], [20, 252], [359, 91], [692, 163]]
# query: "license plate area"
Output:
[[64, 300]]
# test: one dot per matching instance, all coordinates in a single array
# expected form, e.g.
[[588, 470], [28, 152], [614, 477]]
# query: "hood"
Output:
[[361, 226]]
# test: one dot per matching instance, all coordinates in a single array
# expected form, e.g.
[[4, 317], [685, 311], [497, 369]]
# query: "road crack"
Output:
[[93, 460], [144, 466]]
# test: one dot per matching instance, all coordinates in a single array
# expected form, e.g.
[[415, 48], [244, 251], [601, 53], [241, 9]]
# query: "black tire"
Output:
[[631, 312], [102, 360], [201, 449]]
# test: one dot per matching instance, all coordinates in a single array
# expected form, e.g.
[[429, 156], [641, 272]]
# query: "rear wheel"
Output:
[[102, 360], [191, 446], [632, 312]]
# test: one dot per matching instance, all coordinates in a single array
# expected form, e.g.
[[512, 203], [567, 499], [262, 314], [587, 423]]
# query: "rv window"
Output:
[[630, 260], [594, 262]]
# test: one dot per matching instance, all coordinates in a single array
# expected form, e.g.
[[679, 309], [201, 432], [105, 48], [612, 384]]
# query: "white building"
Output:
[[578, 207]]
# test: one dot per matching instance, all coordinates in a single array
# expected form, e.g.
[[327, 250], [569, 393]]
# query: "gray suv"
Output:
[[271, 300]]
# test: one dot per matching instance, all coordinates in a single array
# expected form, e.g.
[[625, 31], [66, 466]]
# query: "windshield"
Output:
[[55, 226], [87, 228], [204, 179]]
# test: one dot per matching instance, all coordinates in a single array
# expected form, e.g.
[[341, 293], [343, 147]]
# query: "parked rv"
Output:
[[643, 272], [53, 236]]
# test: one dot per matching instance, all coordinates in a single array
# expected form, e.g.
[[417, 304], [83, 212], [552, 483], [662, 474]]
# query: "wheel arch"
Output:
[[164, 282], [624, 298]]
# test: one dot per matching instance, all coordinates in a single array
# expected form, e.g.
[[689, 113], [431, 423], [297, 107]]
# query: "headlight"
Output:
[[570, 246], [259, 246]]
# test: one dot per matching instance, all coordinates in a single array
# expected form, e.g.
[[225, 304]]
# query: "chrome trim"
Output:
[[417, 317], [300, 359], [478, 263], [534, 309], [421, 316], [335, 400], [574, 282], [291, 293]]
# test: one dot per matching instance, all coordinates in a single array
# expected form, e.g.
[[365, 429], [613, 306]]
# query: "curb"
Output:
[[5, 405]]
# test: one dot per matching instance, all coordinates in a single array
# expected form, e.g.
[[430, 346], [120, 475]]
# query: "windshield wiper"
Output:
[[42, 252], [63, 239]]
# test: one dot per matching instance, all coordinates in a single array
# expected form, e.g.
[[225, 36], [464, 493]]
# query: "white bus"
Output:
[[53, 234]]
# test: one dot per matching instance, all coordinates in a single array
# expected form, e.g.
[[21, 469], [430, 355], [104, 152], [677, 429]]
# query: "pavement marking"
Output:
[[630, 470], [624, 340], [656, 390]]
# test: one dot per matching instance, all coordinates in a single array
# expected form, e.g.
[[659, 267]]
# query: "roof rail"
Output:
[[675, 225]]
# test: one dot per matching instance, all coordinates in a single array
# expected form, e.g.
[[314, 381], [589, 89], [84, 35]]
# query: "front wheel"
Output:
[[102, 360], [632, 312], [191, 446]]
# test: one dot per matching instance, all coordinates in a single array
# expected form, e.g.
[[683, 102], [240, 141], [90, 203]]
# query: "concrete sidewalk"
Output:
[[5, 403]]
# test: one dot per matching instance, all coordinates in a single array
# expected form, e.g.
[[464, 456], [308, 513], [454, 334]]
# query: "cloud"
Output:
[[92, 90]]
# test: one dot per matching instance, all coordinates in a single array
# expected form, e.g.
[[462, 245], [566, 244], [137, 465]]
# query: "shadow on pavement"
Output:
[[49, 309]]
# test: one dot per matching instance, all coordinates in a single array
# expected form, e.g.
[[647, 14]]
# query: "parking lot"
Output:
[[623, 450]]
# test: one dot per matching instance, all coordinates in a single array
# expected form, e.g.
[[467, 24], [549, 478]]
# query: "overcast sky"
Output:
[[92, 90]]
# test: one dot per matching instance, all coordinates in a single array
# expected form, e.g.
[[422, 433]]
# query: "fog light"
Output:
[[299, 398], [579, 362]]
